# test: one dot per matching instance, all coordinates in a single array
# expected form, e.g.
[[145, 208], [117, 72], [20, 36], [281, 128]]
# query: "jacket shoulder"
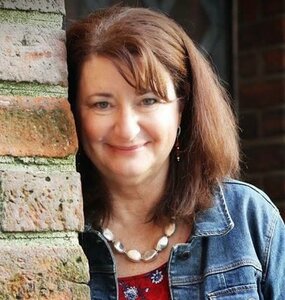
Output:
[[242, 193]]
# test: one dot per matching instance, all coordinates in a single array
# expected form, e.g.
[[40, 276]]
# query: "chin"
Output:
[[130, 172]]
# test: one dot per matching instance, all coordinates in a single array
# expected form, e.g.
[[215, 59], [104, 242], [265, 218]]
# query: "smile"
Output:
[[126, 149]]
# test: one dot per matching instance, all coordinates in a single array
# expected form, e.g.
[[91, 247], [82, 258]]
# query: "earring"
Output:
[[177, 147]]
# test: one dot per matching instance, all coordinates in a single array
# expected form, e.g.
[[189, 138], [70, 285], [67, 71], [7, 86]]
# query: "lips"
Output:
[[126, 148]]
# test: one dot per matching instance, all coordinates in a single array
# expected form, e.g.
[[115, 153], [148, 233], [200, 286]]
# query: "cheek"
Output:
[[90, 130], [164, 126], [170, 119]]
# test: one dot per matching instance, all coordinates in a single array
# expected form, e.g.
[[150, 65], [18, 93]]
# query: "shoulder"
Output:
[[250, 207], [253, 214], [238, 193]]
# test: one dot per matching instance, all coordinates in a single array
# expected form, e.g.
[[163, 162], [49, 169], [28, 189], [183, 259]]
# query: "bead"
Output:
[[149, 255], [162, 243], [134, 255], [108, 234], [170, 229], [119, 247]]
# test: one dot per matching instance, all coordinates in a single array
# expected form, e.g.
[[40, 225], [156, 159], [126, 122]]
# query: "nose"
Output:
[[127, 124]]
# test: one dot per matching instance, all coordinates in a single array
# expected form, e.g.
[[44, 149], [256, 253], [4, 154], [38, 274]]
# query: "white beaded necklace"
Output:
[[133, 254]]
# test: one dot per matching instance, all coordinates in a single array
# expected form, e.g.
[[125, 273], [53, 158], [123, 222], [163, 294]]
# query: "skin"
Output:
[[126, 135], [129, 137]]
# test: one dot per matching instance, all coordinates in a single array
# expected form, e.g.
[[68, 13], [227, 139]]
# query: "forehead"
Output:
[[102, 74], [99, 74], [138, 72]]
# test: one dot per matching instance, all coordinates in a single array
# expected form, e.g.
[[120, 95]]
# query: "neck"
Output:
[[132, 202], [134, 206]]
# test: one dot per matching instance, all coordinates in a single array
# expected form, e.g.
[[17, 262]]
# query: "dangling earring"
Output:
[[177, 147]]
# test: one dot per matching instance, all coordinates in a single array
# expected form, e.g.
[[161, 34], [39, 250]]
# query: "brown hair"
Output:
[[208, 139]]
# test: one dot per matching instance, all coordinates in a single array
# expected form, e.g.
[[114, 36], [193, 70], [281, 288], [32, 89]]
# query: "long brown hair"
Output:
[[208, 139]]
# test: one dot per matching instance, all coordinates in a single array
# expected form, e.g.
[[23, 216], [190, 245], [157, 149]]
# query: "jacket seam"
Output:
[[228, 223], [198, 279], [268, 247], [263, 195]]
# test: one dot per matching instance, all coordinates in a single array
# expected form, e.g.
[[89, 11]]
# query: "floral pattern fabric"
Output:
[[149, 286]]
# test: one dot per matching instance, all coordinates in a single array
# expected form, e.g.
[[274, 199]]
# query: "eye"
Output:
[[102, 105], [149, 101]]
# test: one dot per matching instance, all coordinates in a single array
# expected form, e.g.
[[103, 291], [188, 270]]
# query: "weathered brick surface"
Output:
[[36, 127], [40, 211], [40, 201], [56, 6], [31, 18], [32, 54], [42, 270]]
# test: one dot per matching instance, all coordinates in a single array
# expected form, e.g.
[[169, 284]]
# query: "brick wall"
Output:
[[40, 193], [262, 94]]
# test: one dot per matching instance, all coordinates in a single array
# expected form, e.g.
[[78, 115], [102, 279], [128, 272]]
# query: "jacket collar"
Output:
[[215, 220]]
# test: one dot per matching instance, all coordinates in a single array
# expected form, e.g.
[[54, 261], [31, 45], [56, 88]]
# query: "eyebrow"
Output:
[[101, 95]]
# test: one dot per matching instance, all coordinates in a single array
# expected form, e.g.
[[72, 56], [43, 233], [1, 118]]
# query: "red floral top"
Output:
[[149, 286]]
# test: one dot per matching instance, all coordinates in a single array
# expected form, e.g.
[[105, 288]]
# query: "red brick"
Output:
[[248, 123], [273, 122], [274, 60], [250, 37], [273, 7], [248, 11], [267, 32], [262, 94], [31, 54], [265, 158], [36, 127], [274, 31], [43, 268], [274, 186], [40, 201], [248, 65]]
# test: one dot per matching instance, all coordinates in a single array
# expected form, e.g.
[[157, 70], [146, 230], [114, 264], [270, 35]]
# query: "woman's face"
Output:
[[126, 135]]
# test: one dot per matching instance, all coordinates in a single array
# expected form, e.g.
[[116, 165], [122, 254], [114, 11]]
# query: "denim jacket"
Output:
[[237, 252]]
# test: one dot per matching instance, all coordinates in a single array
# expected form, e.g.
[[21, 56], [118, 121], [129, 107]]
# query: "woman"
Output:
[[158, 148]]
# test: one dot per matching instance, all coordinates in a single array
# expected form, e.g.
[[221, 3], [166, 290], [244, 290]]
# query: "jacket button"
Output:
[[184, 255]]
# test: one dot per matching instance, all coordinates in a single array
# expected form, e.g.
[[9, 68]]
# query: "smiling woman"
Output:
[[126, 135], [159, 150]]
